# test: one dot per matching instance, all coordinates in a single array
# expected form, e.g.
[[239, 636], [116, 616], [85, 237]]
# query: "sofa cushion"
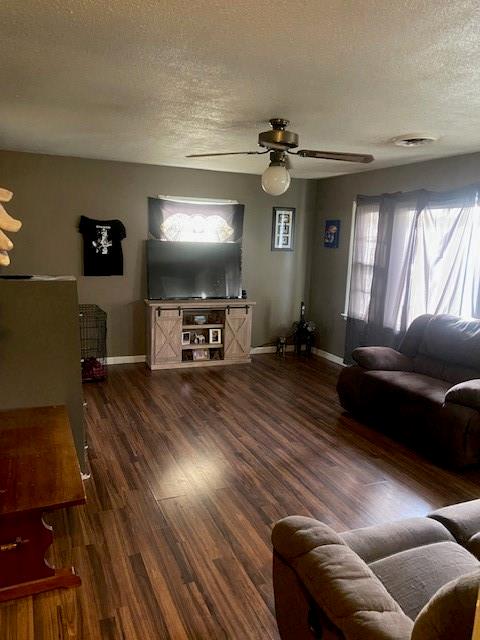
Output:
[[413, 576], [450, 613], [443, 370], [453, 340], [405, 385], [380, 541], [411, 340]]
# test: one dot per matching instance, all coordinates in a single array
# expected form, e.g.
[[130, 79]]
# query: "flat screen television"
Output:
[[193, 269]]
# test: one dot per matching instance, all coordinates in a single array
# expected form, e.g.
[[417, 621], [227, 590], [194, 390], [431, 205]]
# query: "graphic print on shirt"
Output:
[[103, 241], [102, 246]]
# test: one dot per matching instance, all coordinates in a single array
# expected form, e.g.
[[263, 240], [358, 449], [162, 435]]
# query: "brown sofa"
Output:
[[427, 393], [416, 579]]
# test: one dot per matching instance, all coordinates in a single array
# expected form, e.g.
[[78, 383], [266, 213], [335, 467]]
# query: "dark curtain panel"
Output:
[[414, 253]]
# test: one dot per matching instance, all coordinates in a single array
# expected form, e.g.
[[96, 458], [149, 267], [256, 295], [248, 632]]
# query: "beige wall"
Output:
[[335, 198], [52, 192]]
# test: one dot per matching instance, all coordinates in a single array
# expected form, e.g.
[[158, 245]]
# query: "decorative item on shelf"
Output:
[[199, 339], [215, 336], [201, 354], [283, 228], [281, 347], [185, 337], [199, 319], [303, 333], [332, 234], [244, 294]]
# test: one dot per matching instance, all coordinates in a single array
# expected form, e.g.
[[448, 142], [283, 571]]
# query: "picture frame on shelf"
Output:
[[200, 354], [185, 337], [215, 336], [283, 228]]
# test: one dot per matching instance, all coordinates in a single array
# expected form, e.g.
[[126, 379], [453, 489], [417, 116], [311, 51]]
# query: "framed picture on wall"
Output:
[[283, 228], [332, 234]]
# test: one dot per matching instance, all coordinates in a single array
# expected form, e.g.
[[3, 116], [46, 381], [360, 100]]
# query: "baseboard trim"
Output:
[[125, 359], [328, 356], [254, 350], [271, 349]]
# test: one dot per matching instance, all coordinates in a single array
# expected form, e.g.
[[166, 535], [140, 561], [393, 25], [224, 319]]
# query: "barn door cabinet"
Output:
[[198, 333]]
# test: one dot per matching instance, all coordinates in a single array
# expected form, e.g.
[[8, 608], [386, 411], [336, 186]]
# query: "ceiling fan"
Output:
[[279, 142]]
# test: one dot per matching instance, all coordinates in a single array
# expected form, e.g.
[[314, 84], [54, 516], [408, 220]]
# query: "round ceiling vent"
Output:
[[414, 140]]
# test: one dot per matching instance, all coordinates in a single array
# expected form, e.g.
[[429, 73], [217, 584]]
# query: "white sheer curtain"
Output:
[[413, 253], [446, 263], [363, 258]]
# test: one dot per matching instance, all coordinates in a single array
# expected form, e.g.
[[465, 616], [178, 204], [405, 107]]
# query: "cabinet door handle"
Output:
[[179, 311]]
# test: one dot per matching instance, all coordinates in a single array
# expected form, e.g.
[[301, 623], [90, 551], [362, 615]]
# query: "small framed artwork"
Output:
[[332, 234], [185, 337], [215, 336], [283, 228], [200, 354]]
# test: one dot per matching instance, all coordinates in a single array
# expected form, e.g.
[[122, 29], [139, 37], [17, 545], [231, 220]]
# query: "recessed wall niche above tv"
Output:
[[194, 249]]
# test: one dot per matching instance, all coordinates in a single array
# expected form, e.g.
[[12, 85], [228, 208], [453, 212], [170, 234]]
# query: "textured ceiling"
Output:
[[150, 81]]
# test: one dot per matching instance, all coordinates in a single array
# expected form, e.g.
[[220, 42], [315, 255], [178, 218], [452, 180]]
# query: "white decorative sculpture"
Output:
[[7, 223]]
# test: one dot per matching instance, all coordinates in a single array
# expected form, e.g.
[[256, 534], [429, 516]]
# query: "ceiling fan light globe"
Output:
[[275, 180]]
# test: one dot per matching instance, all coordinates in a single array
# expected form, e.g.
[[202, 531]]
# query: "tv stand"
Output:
[[198, 332]]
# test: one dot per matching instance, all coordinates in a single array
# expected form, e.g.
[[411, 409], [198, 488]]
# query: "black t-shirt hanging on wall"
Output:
[[102, 246]]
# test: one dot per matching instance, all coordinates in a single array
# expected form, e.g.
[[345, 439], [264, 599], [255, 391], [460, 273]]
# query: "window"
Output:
[[412, 254], [362, 252]]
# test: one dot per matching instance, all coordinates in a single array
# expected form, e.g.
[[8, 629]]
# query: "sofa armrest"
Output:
[[342, 585], [466, 393], [462, 520], [382, 359]]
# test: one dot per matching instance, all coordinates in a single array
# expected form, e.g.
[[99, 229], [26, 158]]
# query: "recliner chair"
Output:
[[415, 579]]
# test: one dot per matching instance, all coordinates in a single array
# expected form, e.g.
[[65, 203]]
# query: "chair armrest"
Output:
[[342, 585], [466, 393], [382, 359], [462, 519]]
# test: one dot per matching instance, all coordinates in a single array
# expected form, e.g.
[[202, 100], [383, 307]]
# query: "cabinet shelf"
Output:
[[203, 326], [201, 346], [168, 320]]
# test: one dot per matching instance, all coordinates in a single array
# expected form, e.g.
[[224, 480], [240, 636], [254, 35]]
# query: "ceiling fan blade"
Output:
[[227, 153], [333, 155]]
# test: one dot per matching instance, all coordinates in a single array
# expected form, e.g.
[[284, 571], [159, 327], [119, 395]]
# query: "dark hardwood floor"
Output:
[[190, 469]]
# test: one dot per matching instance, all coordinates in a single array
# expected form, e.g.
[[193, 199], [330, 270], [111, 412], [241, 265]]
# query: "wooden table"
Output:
[[39, 472]]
